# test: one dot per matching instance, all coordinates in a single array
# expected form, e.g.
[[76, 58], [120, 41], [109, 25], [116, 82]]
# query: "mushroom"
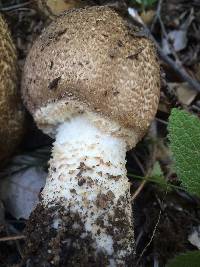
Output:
[[93, 85], [11, 111], [52, 8]]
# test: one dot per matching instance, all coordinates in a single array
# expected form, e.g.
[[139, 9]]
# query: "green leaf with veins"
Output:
[[189, 259], [184, 136]]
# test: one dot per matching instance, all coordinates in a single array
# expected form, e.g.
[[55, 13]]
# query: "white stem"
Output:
[[88, 176]]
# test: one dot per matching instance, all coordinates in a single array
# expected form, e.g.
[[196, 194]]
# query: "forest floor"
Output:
[[166, 222]]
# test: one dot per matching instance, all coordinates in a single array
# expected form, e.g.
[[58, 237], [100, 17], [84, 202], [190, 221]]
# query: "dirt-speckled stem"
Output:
[[87, 183]]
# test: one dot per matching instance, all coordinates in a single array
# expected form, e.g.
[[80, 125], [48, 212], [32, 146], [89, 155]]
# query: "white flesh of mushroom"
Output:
[[87, 173]]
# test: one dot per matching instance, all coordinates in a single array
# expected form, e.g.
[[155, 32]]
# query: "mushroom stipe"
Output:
[[101, 106]]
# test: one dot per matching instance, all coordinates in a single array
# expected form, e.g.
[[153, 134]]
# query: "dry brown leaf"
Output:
[[184, 93], [194, 237], [20, 191], [54, 7], [147, 16]]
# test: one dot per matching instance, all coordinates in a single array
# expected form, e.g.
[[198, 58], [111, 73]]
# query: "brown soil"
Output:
[[47, 246], [179, 213]]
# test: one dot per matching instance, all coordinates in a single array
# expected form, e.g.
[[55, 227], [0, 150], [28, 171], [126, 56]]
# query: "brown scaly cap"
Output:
[[11, 114], [89, 55]]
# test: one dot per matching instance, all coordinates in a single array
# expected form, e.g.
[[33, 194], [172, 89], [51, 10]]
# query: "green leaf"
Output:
[[189, 259], [145, 3], [157, 176], [157, 170], [184, 136], [139, 1]]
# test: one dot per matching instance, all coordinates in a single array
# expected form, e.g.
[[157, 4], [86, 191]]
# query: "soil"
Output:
[[172, 217], [47, 246]]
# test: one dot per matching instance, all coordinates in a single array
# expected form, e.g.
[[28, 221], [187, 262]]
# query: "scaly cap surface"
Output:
[[11, 113], [90, 57]]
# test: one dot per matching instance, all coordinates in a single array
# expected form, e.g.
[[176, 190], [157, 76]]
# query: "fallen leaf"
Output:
[[184, 93], [20, 191], [56, 7], [194, 237], [178, 37], [147, 16]]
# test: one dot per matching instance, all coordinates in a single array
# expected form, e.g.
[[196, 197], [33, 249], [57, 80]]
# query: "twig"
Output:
[[153, 234], [11, 238], [157, 15], [180, 71], [139, 189], [141, 186], [164, 32], [19, 248], [154, 231], [162, 121], [9, 8], [149, 168], [139, 163], [176, 66]]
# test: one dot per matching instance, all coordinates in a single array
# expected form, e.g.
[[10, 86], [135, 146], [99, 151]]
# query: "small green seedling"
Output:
[[144, 3]]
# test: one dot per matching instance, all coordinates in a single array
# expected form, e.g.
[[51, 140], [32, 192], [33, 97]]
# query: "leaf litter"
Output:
[[167, 222]]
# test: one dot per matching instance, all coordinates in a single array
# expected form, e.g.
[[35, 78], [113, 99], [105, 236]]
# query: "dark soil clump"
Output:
[[48, 246]]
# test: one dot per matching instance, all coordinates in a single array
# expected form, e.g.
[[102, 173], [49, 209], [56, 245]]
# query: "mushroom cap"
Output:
[[11, 111], [52, 8], [91, 57]]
